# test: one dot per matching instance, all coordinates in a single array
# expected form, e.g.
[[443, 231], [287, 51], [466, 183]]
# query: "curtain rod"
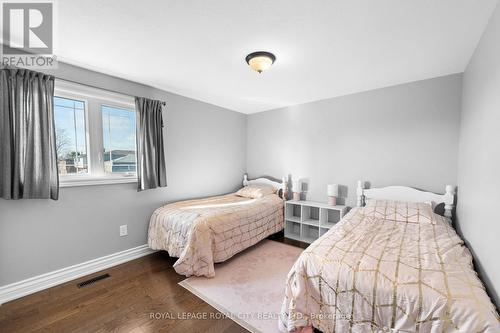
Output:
[[91, 86]]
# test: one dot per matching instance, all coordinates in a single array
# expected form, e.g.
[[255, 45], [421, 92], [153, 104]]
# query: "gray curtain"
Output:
[[28, 161], [151, 169]]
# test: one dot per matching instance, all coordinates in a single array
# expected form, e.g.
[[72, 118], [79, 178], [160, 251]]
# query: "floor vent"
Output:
[[93, 280]]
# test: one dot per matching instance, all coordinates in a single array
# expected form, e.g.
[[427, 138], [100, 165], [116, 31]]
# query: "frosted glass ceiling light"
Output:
[[260, 61]]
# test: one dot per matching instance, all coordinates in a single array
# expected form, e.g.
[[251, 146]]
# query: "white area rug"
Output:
[[249, 287]]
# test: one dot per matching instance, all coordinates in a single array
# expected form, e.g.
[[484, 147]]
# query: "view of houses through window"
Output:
[[118, 127], [71, 142]]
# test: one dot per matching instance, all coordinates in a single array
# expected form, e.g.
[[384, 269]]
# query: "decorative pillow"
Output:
[[413, 212], [256, 191]]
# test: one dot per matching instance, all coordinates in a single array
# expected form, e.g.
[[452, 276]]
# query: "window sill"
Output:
[[90, 181]]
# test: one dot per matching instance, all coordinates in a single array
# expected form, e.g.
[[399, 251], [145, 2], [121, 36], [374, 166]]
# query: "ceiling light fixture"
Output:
[[260, 61]]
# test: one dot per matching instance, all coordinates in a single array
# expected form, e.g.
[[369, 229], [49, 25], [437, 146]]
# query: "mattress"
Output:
[[373, 274], [211, 230]]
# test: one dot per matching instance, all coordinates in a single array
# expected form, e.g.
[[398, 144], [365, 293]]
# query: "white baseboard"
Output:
[[47, 280]]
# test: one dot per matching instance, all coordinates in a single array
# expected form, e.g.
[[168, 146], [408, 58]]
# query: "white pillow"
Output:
[[401, 211], [256, 191]]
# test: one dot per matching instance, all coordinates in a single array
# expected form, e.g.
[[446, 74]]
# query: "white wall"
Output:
[[404, 135], [478, 216], [205, 155]]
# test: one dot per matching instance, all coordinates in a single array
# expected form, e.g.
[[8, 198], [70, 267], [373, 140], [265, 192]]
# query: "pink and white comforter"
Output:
[[206, 231]]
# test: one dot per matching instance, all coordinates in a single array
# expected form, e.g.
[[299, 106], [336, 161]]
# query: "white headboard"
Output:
[[264, 181], [404, 193]]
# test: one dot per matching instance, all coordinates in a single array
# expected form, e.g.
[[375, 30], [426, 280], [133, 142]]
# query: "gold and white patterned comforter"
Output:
[[369, 274], [206, 231]]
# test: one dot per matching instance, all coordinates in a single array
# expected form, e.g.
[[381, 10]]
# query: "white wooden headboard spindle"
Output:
[[359, 193], [284, 189], [449, 199], [264, 181], [404, 193]]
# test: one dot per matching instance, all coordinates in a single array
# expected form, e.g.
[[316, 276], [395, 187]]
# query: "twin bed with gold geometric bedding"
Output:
[[387, 267], [211, 230]]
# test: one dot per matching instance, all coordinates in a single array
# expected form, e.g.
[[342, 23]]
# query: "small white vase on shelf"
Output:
[[332, 190]]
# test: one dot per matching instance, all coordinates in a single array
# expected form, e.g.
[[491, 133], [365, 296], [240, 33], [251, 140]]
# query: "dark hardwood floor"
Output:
[[142, 295]]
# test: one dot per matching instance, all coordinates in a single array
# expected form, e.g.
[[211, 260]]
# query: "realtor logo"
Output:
[[27, 32], [27, 28]]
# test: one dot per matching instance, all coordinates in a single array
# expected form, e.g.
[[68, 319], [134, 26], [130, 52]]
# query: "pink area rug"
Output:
[[249, 287]]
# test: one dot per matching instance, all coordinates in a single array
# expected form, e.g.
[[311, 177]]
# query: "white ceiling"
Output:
[[324, 49]]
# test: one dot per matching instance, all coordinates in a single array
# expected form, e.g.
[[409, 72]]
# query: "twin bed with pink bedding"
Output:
[[211, 230], [387, 267]]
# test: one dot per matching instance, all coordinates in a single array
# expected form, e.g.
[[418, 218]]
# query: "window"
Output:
[[95, 135], [118, 127], [71, 142]]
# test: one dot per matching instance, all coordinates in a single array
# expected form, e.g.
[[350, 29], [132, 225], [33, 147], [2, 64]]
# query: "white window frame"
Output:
[[94, 99]]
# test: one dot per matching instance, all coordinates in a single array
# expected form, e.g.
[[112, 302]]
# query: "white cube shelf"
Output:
[[292, 230], [309, 233], [323, 231], [330, 217], [310, 215], [293, 212], [306, 221]]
